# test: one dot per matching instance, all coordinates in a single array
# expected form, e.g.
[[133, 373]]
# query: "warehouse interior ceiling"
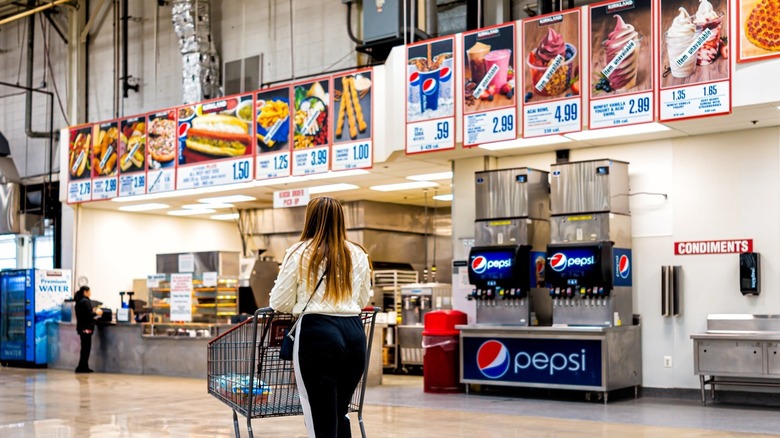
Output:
[[400, 166]]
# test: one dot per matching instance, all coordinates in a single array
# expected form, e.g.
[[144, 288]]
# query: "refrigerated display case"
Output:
[[29, 299]]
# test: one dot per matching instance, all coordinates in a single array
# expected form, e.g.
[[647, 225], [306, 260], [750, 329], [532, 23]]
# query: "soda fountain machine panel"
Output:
[[583, 285], [503, 277]]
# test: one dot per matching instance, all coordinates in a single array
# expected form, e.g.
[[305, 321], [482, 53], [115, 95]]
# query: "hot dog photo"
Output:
[[216, 130]]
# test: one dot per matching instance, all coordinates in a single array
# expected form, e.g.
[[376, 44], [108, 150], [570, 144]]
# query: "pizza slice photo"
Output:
[[762, 26]]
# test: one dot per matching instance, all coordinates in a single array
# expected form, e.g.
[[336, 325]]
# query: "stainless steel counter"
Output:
[[737, 350]]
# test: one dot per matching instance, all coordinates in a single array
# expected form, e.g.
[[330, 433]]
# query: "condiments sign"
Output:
[[735, 246]]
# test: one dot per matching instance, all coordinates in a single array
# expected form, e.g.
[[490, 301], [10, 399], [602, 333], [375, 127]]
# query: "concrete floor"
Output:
[[56, 403]]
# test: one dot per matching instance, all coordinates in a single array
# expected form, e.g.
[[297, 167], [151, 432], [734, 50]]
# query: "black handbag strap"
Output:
[[312, 293]]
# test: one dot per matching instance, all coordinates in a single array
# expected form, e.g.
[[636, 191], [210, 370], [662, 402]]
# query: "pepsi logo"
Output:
[[479, 264], [430, 86], [414, 78], [493, 359], [445, 74], [558, 262], [624, 266], [183, 129]]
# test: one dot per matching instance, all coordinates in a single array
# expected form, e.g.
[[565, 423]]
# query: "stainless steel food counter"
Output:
[[600, 359], [737, 350]]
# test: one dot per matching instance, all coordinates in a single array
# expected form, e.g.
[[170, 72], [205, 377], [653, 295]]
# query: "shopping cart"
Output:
[[245, 372]]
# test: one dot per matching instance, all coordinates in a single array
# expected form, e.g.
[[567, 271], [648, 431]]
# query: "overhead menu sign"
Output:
[[79, 158], [273, 114], [311, 136], [695, 74], [105, 150], [353, 144], [489, 105], [551, 74], [430, 96], [621, 62]]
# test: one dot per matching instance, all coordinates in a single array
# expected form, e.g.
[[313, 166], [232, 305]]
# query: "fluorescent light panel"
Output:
[[227, 199], [443, 197], [431, 176], [595, 134], [340, 187], [225, 217], [191, 212], [180, 193], [210, 205], [404, 186], [524, 143], [143, 207]]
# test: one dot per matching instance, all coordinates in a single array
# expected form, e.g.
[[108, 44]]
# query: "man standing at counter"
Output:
[[85, 326]]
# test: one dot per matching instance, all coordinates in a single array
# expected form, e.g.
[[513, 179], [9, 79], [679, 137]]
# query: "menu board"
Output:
[[79, 182], [311, 151], [353, 144], [695, 77], [161, 150], [759, 33], [430, 100], [489, 105], [105, 145], [621, 62], [551, 74], [132, 156], [215, 142], [273, 121]]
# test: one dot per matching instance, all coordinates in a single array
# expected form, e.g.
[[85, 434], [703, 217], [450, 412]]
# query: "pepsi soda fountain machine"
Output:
[[589, 258], [511, 231]]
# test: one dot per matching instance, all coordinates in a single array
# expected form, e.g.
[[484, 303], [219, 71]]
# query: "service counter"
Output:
[[600, 359], [123, 349]]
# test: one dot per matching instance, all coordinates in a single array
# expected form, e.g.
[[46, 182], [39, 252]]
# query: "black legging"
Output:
[[86, 347], [331, 357]]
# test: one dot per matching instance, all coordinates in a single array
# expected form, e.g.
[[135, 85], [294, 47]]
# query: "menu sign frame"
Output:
[[132, 156], [79, 167], [273, 132], [622, 53], [216, 142], [161, 150], [311, 126], [105, 145], [430, 111], [698, 83], [751, 21], [489, 98], [552, 95], [353, 126]]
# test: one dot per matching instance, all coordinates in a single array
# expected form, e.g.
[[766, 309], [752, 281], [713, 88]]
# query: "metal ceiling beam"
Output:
[[33, 11]]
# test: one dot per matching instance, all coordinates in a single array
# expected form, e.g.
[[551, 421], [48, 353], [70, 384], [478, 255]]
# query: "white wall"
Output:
[[114, 248], [723, 186]]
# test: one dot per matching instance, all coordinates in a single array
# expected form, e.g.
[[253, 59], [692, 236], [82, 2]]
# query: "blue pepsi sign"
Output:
[[579, 264], [622, 266], [572, 362], [492, 265]]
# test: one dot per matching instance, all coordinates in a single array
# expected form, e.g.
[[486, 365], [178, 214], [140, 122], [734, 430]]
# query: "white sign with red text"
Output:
[[291, 198]]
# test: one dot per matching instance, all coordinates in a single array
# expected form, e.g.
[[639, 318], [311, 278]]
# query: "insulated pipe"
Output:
[[29, 83], [431, 18], [125, 54], [32, 11]]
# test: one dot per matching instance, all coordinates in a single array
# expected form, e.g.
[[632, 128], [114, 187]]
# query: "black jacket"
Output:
[[85, 317]]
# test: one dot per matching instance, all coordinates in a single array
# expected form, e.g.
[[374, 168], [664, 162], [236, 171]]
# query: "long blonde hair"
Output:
[[326, 230]]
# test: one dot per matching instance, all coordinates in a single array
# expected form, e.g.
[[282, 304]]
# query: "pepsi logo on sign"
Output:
[[624, 266], [493, 359], [429, 86], [558, 262], [445, 74], [414, 79], [479, 264]]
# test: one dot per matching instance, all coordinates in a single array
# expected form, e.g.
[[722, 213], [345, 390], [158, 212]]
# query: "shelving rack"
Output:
[[210, 304], [389, 282]]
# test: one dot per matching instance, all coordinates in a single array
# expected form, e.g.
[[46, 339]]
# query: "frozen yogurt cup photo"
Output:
[[622, 50], [707, 18], [679, 37], [546, 57]]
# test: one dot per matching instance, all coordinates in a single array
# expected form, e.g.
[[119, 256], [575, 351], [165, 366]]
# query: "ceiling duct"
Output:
[[12, 221], [200, 62]]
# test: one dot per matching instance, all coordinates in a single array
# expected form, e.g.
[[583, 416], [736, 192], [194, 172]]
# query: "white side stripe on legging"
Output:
[[307, 418]]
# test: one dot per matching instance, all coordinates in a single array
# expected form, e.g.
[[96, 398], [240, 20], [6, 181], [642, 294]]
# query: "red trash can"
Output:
[[441, 347]]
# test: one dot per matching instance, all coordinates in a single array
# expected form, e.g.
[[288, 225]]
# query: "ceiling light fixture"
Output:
[[186, 192], [210, 205], [431, 176], [340, 187], [225, 217], [191, 212], [143, 207], [227, 199], [404, 186], [596, 134], [443, 197], [524, 143]]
